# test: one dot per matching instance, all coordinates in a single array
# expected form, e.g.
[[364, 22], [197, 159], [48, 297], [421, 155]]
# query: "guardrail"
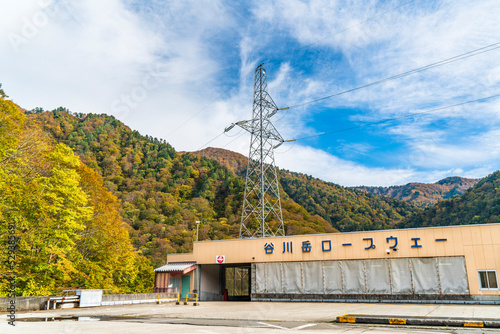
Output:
[[62, 300], [195, 298], [170, 293]]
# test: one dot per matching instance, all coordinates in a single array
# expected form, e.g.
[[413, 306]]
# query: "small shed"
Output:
[[175, 277]]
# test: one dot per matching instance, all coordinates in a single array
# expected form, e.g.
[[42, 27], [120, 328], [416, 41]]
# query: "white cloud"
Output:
[[400, 41], [330, 168], [183, 71], [81, 55]]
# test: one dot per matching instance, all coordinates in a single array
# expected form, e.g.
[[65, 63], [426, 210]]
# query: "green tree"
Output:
[[67, 223]]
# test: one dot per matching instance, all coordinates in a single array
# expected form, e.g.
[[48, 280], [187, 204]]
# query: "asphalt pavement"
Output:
[[260, 317]]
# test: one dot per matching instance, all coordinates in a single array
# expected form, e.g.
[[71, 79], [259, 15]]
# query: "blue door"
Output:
[[186, 285]]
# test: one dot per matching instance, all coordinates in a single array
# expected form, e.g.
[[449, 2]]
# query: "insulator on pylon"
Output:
[[272, 113], [229, 127]]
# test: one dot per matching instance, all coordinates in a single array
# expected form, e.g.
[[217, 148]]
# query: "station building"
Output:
[[438, 264]]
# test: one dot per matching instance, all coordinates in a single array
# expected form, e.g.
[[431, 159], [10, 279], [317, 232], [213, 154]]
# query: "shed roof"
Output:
[[176, 266]]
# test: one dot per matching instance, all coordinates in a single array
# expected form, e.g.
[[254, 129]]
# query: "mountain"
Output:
[[97, 203], [344, 208], [478, 205], [423, 194], [235, 161], [162, 193]]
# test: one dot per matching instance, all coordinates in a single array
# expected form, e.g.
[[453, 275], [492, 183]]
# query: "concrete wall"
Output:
[[40, 303], [24, 303], [193, 283], [137, 296], [210, 286]]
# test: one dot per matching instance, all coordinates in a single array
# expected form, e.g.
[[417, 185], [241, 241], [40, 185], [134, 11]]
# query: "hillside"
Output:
[[235, 161], [478, 205], [58, 218], [344, 208], [423, 194], [163, 193]]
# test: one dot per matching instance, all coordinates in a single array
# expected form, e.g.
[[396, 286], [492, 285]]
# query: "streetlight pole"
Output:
[[197, 225]]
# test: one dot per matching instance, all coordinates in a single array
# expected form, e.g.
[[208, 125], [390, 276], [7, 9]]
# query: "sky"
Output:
[[184, 70]]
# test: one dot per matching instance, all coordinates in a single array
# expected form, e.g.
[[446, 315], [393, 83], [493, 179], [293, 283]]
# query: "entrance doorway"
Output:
[[186, 286], [237, 282]]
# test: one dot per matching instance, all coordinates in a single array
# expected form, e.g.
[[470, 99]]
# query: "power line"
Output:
[[274, 59], [202, 147], [472, 53], [368, 124], [210, 103], [236, 134], [236, 137], [397, 118], [468, 54], [462, 56]]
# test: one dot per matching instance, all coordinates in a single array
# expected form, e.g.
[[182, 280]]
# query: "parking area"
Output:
[[238, 317]]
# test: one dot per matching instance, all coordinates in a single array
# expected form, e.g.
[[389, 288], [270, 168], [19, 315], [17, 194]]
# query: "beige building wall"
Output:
[[479, 244]]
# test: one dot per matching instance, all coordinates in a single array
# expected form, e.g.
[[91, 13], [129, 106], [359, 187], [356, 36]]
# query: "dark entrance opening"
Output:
[[237, 280]]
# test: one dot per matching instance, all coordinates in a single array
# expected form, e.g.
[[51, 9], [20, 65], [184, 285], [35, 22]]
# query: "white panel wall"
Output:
[[312, 276], [400, 276], [443, 275], [333, 276], [377, 276]]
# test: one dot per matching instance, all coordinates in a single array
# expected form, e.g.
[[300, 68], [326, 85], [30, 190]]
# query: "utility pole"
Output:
[[262, 198], [197, 225]]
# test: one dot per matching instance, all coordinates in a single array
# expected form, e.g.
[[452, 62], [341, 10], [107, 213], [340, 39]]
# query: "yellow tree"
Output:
[[54, 210], [69, 230], [40, 196], [107, 259]]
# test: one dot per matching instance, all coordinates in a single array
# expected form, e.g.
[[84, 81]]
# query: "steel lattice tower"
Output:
[[262, 196]]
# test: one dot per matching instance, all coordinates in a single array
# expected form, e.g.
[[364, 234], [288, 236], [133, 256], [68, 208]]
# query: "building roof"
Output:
[[176, 266]]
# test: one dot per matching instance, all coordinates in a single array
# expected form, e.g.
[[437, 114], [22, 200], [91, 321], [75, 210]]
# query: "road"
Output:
[[234, 317], [183, 326]]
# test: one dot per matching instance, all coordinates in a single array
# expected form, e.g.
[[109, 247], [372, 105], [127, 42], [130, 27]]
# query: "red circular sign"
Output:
[[221, 259]]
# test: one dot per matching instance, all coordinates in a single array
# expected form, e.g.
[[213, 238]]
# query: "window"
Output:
[[488, 279], [174, 284]]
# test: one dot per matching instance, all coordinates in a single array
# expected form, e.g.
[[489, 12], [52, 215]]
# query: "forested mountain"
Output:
[[232, 160], [95, 203], [423, 194], [344, 208], [163, 193], [58, 219], [478, 205]]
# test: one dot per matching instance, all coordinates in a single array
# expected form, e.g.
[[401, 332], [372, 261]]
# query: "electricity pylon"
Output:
[[262, 196]]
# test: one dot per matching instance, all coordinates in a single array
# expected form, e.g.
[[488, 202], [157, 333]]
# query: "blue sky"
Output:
[[183, 71]]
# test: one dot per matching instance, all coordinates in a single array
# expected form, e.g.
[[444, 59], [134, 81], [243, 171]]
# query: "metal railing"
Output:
[[62, 300], [195, 298], [170, 293]]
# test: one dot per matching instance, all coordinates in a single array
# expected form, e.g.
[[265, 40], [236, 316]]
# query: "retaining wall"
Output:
[[40, 303], [24, 303]]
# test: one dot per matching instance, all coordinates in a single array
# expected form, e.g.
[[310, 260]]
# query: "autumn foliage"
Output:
[[161, 192], [68, 228]]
